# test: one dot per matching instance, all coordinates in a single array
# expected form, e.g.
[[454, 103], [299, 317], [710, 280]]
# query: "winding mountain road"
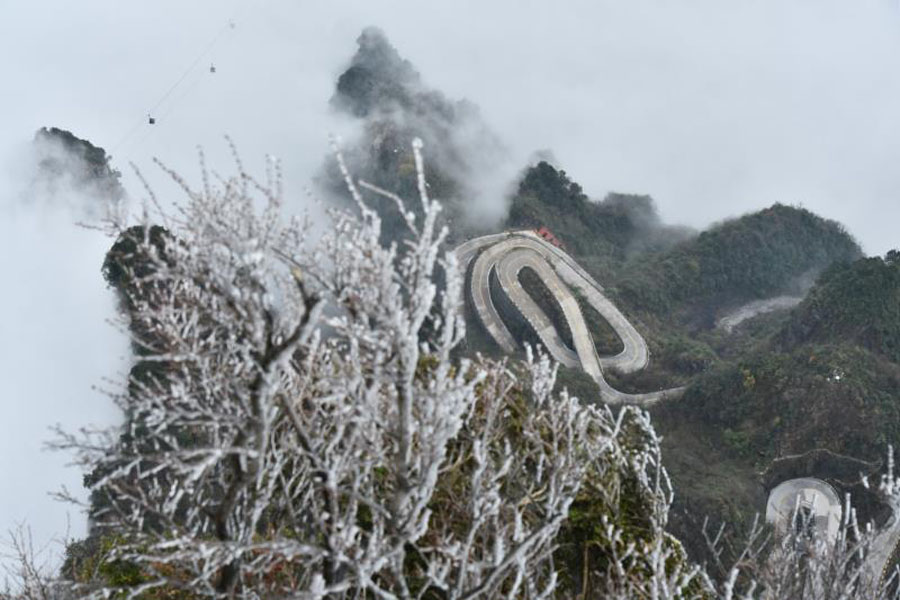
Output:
[[505, 255]]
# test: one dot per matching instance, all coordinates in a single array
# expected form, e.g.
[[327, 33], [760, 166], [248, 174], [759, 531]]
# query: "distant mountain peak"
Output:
[[376, 78], [468, 166], [66, 165]]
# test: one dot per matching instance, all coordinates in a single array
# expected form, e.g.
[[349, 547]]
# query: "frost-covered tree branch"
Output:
[[297, 425], [803, 562], [29, 569]]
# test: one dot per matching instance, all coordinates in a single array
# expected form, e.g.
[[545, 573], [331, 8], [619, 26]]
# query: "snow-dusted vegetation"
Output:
[[300, 424]]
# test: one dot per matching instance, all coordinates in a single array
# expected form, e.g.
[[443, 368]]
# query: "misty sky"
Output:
[[714, 107]]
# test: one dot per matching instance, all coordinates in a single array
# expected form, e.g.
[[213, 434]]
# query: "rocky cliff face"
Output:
[[66, 166], [392, 104]]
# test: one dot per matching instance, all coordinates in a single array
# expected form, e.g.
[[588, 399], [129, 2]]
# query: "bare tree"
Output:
[[297, 426], [29, 569], [304, 430], [803, 563]]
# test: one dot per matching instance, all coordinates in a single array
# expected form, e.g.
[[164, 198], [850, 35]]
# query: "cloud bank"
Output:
[[712, 108], [55, 343]]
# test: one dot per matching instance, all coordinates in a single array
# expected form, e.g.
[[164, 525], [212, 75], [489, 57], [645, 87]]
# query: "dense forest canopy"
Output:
[[617, 226], [857, 303], [763, 254]]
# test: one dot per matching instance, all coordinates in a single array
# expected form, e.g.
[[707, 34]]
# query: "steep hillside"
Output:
[[836, 396], [67, 165], [857, 303], [604, 233], [829, 375], [752, 401], [755, 256], [822, 380], [385, 95], [666, 271], [767, 409]]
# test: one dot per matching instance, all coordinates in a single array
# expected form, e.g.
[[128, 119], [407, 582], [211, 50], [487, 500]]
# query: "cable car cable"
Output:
[[172, 106], [229, 25]]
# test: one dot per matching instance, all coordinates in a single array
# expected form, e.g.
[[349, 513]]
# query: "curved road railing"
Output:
[[816, 494], [505, 255]]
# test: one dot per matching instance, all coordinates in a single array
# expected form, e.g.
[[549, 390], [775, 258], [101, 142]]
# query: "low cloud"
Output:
[[391, 103], [56, 342]]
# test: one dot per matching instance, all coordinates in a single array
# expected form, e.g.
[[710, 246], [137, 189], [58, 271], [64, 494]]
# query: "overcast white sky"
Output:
[[714, 107]]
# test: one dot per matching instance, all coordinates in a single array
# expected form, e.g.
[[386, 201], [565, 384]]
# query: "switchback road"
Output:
[[505, 255]]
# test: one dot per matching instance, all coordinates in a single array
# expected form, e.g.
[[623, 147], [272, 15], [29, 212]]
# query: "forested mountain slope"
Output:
[[388, 99], [616, 227], [821, 380], [766, 253], [857, 303]]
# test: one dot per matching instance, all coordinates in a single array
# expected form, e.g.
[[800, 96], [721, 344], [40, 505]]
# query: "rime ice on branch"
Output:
[[300, 426], [297, 427]]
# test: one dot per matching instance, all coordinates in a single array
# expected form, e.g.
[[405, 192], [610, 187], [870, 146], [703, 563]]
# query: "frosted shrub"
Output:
[[297, 425]]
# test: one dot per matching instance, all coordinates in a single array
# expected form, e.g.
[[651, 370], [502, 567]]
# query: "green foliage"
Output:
[[748, 402], [683, 354], [91, 562], [615, 499], [605, 230], [92, 559], [711, 480], [839, 397], [737, 441], [857, 303], [755, 256], [605, 338], [829, 379], [821, 378], [578, 384]]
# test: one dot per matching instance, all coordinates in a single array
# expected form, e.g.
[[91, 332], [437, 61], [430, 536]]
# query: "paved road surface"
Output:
[[828, 509], [883, 548], [814, 494], [757, 307], [508, 274], [505, 255]]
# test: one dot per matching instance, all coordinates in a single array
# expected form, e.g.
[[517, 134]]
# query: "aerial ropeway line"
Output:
[[153, 114]]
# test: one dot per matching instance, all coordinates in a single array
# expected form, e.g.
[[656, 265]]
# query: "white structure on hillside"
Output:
[[815, 502]]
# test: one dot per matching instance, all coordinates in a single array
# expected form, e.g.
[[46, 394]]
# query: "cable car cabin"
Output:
[[151, 120], [212, 68]]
